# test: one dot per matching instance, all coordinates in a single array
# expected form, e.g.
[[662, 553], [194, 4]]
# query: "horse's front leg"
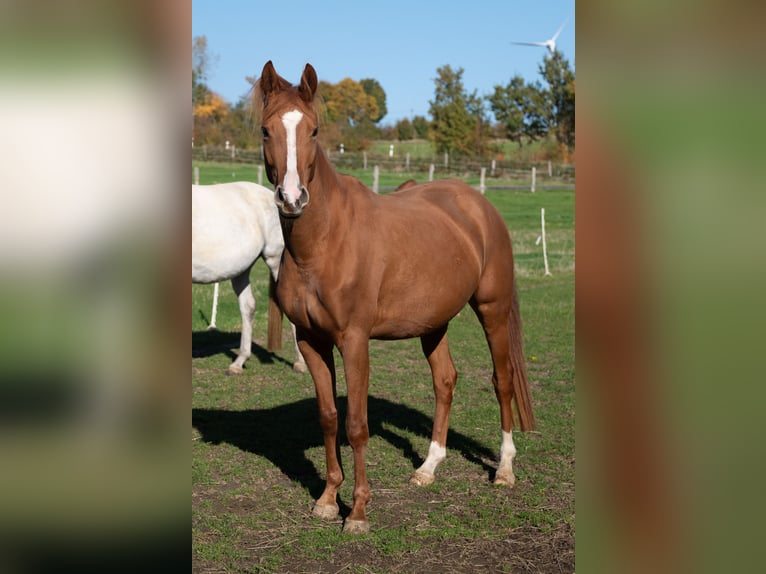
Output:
[[356, 362], [319, 358]]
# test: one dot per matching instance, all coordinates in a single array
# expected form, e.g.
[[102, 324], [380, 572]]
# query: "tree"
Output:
[[201, 62], [209, 110], [352, 111], [458, 124], [373, 88], [404, 130], [421, 126], [508, 105], [558, 75]]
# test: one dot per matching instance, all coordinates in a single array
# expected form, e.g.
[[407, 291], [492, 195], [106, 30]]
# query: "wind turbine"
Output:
[[550, 44]]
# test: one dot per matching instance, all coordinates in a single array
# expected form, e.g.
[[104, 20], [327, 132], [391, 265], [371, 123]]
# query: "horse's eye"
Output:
[[265, 132], [315, 132]]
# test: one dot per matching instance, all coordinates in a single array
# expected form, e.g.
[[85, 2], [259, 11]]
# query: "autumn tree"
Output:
[[209, 110], [373, 88], [351, 111]]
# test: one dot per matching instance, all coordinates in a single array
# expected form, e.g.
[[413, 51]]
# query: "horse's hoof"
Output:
[[300, 368], [234, 371], [505, 478], [356, 526], [422, 479], [325, 511]]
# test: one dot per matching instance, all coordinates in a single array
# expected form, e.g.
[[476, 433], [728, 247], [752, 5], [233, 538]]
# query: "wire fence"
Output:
[[491, 174]]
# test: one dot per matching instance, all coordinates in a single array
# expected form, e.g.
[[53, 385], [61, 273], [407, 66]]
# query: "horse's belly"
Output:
[[412, 317]]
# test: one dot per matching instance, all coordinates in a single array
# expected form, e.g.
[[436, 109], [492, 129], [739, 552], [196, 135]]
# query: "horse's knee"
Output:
[[357, 431], [328, 420]]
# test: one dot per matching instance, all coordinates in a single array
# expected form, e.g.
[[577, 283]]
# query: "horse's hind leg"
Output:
[[494, 317], [241, 285], [444, 375]]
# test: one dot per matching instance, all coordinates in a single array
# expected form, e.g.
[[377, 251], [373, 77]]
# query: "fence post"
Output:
[[446, 159], [375, 174], [260, 175], [431, 172], [534, 174], [212, 326], [545, 248], [196, 175], [492, 170], [550, 169], [233, 151], [364, 160], [204, 151], [482, 187], [407, 163]]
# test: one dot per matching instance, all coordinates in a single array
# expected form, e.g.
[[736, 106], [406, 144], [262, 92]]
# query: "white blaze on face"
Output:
[[291, 182]]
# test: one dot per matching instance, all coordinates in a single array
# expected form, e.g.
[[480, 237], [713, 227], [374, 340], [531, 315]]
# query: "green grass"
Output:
[[258, 459]]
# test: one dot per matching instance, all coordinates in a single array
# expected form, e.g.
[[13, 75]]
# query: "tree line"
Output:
[[461, 122]]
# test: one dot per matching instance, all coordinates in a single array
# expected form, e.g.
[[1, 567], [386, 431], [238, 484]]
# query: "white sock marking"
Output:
[[507, 451], [291, 183], [436, 454]]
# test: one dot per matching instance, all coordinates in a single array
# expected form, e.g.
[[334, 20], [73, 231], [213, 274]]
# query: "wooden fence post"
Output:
[[364, 160], [375, 175], [482, 186], [431, 172], [534, 174], [492, 170], [407, 163], [550, 169]]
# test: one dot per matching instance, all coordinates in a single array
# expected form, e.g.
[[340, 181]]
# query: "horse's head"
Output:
[[289, 125]]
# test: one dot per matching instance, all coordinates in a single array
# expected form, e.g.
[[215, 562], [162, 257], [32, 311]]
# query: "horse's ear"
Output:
[[308, 85], [271, 82]]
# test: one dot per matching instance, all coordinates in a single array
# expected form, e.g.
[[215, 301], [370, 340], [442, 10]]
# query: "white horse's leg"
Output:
[[299, 365], [212, 326], [241, 284]]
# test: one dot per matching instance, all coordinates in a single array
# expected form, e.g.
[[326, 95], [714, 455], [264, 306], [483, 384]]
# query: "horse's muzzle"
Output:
[[289, 208]]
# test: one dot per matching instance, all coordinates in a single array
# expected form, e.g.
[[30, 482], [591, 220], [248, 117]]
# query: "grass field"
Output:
[[258, 459]]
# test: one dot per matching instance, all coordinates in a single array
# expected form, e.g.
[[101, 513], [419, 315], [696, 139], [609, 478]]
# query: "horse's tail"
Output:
[[275, 317], [520, 385]]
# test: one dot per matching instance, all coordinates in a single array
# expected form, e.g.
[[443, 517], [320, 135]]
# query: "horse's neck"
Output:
[[306, 237]]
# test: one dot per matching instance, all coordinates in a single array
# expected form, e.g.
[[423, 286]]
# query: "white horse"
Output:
[[233, 224]]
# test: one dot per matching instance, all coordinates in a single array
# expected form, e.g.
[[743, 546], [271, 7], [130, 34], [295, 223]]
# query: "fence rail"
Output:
[[403, 163]]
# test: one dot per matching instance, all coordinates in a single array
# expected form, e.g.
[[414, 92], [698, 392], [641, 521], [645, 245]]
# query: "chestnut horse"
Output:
[[358, 265]]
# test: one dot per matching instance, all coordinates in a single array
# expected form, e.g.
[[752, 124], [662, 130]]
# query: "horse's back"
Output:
[[231, 225], [450, 204]]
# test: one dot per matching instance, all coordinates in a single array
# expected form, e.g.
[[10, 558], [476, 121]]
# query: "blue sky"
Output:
[[398, 43]]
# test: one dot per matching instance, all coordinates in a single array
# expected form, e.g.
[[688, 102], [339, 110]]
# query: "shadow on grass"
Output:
[[214, 342], [283, 434]]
